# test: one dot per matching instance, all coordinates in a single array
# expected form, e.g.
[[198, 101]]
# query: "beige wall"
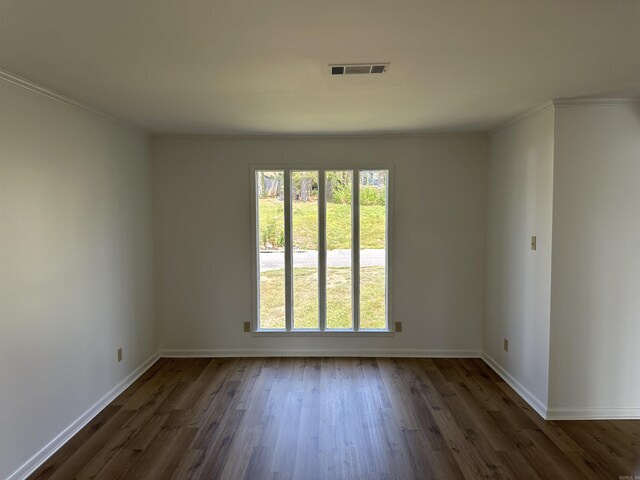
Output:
[[203, 242], [518, 281], [75, 265], [595, 305]]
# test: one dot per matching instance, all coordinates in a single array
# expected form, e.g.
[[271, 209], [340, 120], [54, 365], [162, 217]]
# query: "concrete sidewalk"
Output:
[[309, 258]]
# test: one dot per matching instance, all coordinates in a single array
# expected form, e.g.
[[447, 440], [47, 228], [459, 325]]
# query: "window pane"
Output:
[[373, 244], [339, 192], [304, 233], [270, 192]]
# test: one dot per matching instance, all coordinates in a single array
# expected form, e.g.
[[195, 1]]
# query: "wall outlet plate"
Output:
[[246, 327], [505, 345], [120, 354], [398, 327]]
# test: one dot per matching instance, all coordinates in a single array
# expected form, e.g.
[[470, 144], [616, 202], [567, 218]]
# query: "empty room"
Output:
[[319, 240]]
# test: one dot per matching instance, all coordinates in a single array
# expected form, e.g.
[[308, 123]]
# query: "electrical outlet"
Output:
[[246, 326], [534, 242], [398, 327], [120, 354], [506, 345]]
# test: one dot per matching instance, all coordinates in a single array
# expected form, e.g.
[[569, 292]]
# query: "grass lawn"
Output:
[[305, 303], [305, 224]]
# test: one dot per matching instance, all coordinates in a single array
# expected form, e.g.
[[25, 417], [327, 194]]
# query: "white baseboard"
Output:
[[326, 352], [539, 406], [28, 467], [593, 414], [40, 457]]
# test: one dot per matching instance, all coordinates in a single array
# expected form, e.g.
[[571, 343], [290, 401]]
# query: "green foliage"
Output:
[[338, 176], [271, 234], [305, 225], [270, 215], [372, 195], [339, 189], [341, 194], [339, 186]]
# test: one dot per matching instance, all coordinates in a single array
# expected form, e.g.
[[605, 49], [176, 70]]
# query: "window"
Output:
[[321, 250]]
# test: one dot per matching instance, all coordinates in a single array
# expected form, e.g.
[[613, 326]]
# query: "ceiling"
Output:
[[260, 66]]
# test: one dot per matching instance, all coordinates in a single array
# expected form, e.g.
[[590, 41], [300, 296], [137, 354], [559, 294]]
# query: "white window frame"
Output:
[[322, 269]]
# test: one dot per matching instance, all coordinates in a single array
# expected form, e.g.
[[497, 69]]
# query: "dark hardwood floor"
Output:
[[368, 418]]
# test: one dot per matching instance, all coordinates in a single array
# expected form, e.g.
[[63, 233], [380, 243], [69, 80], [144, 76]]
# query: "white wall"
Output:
[[518, 281], [75, 265], [595, 305], [203, 242]]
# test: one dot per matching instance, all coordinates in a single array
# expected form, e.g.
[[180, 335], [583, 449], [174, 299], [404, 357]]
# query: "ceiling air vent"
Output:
[[358, 69]]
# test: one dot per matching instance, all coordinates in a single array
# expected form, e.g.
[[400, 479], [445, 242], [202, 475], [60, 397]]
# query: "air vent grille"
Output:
[[359, 69]]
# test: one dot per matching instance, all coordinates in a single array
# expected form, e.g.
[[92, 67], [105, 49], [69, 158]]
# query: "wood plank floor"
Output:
[[342, 418]]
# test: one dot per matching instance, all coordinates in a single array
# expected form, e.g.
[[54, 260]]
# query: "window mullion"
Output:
[[322, 252], [288, 252], [355, 249]]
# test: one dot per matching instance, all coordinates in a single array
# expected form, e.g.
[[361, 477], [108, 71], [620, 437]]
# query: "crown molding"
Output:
[[556, 103], [595, 102], [566, 103], [525, 116], [45, 92], [319, 136]]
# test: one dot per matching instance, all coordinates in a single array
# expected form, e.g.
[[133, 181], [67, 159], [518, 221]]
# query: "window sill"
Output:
[[317, 333]]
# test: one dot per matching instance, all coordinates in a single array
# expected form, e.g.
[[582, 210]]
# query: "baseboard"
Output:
[[326, 352], [39, 458], [593, 414], [520, 389]]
